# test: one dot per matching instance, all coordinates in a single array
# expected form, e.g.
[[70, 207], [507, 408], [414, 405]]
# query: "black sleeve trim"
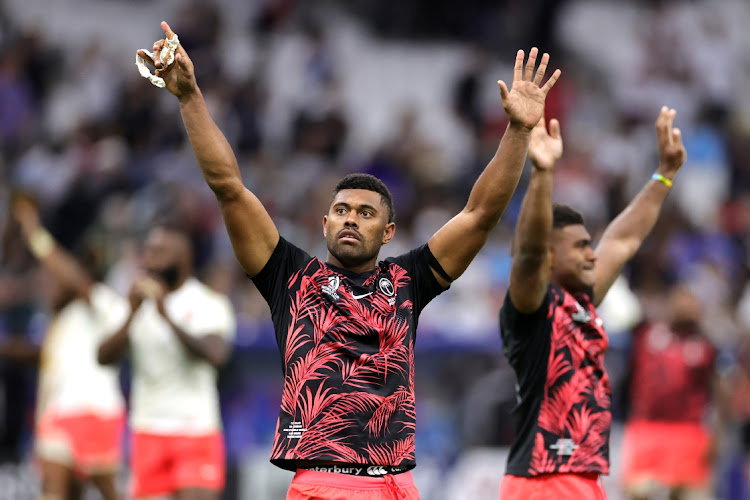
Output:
[[435, 265]]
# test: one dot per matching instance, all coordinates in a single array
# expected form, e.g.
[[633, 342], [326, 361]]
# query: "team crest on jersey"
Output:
[[386, 287], [332, 286], [581, 315]]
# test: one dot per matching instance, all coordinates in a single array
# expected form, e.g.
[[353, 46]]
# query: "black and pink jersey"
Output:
[[347, 351], [671, 374], [563, 416]]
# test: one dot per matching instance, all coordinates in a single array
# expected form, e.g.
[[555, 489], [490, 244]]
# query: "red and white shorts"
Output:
[[162, 464], [557, 486], [672, 454], [315, 485], [86, 442]]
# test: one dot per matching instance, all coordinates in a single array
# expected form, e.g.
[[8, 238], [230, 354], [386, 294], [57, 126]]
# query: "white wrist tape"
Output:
[[166, 55]]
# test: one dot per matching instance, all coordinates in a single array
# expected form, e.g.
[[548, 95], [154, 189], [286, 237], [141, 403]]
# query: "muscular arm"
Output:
[[50, 254], [530, 271], [254, 235], [456, 244], [623, 236]]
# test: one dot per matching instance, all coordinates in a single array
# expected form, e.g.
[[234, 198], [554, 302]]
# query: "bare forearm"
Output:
[[493, 190], [57, 261], [214, 154], [534, 226], [529, 275], [210, 348], [111, 350], [638, 219]]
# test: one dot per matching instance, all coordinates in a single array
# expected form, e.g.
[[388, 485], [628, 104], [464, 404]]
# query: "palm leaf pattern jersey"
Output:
[[563, 414], [347, 353]]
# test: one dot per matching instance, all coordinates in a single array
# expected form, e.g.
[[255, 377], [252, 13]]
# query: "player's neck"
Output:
[[364, 267]]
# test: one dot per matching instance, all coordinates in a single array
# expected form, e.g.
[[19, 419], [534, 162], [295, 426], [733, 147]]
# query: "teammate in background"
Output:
[[346, 326], [667, 449], [80, 410], [552, 335], [178, 332]]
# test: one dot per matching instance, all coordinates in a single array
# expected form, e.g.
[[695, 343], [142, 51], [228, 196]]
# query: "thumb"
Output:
[[503, 90], [554, 128]]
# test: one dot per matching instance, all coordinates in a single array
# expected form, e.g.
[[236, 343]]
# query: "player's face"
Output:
[[685, 307], [161, 254], [573, 258], [356, 227]]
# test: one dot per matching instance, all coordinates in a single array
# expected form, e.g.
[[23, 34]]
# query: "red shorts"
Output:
[[87, 443], [671, 453], [314, 485], [162, 464], [557, 486]]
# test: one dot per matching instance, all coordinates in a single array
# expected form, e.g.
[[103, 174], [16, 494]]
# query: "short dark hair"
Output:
[[370, 183], [563, 215]]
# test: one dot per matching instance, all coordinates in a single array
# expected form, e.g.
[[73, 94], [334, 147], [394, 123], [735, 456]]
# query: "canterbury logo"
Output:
[[377, 471]]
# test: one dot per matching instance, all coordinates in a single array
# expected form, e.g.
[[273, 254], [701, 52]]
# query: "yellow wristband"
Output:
[[662, 179], [41, 243]]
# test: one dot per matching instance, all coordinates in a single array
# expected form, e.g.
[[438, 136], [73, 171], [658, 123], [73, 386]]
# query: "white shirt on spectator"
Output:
[[174, 393], [71, 381]]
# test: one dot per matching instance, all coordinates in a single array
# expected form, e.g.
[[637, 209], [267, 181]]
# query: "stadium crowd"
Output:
[[309, 91]]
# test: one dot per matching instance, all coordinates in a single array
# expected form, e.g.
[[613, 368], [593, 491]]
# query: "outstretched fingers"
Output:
[[541, 69], [145, 56], [168, 33], [677, 137], [530, 64], [518, 68], [551, 82], [664, 132], [554, 128]]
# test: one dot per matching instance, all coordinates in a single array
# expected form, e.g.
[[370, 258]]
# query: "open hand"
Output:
[[179, 77], [672, 153], [524, 103], [545, 148]]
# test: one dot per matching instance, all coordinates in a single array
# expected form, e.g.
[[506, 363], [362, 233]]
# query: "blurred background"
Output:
[[307, 91]]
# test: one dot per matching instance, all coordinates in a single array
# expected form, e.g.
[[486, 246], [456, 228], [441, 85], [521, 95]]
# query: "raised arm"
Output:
[[626, 233], [456, 244], [530, 271], [254, 235], [51, 255]]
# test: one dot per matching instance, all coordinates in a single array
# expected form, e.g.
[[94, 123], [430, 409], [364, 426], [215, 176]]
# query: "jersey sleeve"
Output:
[[110, 308], [273, 279], [524, 333], [424, 284]]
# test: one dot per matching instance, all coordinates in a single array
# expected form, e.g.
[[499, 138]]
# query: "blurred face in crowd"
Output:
[[572, 258], [167, 256], [685, 308], [356, 227]]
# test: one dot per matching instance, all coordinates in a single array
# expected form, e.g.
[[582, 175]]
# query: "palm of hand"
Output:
[[673, 156], [544, 150], [525, 104], [177, 80]]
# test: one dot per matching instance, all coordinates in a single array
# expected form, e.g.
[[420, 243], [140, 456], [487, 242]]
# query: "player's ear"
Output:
[[325, 224], [389, 232]]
